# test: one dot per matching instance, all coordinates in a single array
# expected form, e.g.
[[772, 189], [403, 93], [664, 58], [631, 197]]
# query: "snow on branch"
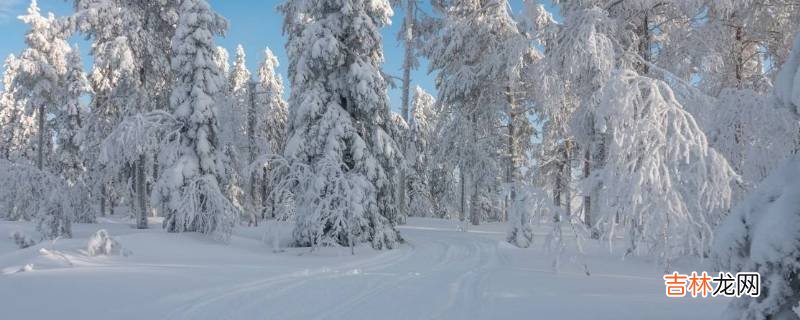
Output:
[[661, 177]]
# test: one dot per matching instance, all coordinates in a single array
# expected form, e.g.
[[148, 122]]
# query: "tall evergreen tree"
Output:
[[337, 129], [189, 191]]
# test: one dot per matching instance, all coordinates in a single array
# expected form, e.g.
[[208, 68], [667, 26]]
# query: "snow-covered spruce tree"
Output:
[[233, 101], [69, 117], [579, 59], [69, 122], [42, 66], [761, 233], [478, 44], [16, 127], [398, 130], [266, 131], [422, 125], [241, 100], [188, 192], [221, 58], [339, 112], [271, 111], [660, 175]]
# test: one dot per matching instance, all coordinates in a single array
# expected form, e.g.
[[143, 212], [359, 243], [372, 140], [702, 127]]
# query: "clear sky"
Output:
[[253, 23]]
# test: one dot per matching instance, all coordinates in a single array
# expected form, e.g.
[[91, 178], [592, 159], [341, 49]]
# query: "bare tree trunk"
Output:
[[463, 212], [40, 151], [738, 52], [103, 193], [644, 44], [251, 141], [408, 38], [567, 179], [587, 199], [511, 170], [141, 191]]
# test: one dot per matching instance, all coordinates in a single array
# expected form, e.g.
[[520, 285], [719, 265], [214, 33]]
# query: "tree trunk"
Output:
[[103, 193], [644, 44], [252, 148], [512, 150], [463, 212], [567, 179], [408, 38], [40, 151], [141, 191]]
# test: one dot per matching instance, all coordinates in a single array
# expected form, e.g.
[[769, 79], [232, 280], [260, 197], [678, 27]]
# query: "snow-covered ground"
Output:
[[440, 273]]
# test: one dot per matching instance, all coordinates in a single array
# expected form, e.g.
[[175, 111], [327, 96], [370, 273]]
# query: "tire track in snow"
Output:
[[246, 288]]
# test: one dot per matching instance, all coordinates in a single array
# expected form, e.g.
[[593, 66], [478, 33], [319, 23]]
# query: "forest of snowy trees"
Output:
[[669, 124]]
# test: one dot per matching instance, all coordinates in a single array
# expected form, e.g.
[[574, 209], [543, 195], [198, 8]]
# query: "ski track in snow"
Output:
[[440, 273]]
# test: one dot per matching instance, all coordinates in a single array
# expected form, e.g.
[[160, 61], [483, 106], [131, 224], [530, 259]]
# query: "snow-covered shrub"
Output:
[[21, 239], [101, 243], [525, 202], [762, 234], [31, 194]]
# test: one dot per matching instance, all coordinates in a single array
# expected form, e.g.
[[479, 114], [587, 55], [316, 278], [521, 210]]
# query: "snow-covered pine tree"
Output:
[[16, 127], [337, 124], [478, 44], [232, 102], [41, 67], [188, 192], [69, 122], [131, 49], [271, 111], [266, 131], [241, 100], [422, 123], [221, 58]]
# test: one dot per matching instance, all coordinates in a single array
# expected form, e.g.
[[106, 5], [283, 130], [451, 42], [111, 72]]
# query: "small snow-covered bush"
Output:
[[526, 201], [32, 194], [101, 243], [21, 239]]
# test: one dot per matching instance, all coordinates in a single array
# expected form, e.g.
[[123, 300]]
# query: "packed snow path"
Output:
[[441, 273]]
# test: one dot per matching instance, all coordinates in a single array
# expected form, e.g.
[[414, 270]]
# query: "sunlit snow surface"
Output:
[[440, 273]]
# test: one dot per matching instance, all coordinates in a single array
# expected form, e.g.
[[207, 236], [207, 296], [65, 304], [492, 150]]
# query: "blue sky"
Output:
[[254, 24]]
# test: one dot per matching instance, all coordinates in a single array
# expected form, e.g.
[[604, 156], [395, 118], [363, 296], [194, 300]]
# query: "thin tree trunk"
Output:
[[512, 151], [40, 151], [587, 199], [103, 193], [408, 38], [141, 191], [567, 178], [463, 213], [251, 139], [644, 43]]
